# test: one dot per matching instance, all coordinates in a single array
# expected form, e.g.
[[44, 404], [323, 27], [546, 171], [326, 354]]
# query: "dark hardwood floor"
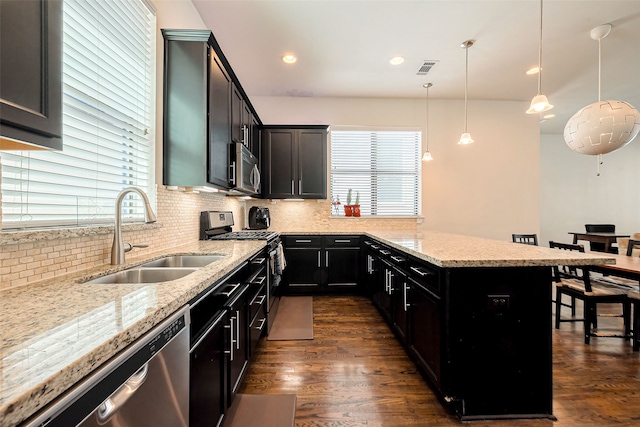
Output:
[[355, 373]]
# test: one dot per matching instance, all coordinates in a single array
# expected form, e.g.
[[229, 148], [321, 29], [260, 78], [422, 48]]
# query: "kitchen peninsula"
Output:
[[54, 334]]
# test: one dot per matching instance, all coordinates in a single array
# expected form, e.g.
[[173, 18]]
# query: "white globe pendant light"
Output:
[[427, 157], [465, 138], [603, 126]]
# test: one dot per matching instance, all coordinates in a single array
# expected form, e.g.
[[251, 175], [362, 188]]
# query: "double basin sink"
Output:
[[160, 270]]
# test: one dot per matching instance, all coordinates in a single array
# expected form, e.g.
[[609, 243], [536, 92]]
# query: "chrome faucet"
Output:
[[118, 248]]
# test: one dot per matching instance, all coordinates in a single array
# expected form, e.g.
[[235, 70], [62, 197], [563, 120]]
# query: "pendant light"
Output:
[[427, 155], [539, 103], [603, 126], [465, 138]]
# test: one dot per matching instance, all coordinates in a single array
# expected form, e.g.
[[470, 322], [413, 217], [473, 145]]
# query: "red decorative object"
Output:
[[356, 210], [348, 210]]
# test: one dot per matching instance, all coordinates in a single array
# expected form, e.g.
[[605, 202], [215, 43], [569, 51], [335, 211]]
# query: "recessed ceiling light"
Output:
[[396, 60], [534, 70], [289, 58]]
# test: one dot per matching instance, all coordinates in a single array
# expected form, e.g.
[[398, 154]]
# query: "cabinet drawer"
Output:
[[341, 241], [302, 241], [257, 301], [425, 274]]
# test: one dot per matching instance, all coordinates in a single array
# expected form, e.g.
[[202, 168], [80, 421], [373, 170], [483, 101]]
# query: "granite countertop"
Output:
[[457, 251], [54, 334]]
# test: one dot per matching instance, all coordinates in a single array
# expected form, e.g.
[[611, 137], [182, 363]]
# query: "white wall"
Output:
[[573, 195], [488, 189]]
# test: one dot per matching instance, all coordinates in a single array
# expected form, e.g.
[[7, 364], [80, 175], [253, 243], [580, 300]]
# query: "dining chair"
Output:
[[527, 239], [577, 283], [599, 228], [634, 297], [632, 245]]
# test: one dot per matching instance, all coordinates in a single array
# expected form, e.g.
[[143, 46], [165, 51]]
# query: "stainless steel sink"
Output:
[[183, 261], [143, 275]]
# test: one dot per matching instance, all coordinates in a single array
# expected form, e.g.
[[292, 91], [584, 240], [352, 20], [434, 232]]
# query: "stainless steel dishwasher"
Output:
[[145, 385]]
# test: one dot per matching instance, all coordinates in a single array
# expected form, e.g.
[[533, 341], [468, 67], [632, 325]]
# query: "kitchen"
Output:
[[510, 205]]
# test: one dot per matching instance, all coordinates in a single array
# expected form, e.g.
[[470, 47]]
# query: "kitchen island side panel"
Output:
[[498, 342]]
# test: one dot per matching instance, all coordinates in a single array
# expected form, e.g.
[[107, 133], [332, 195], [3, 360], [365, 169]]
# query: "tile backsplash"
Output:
[[34, 256]]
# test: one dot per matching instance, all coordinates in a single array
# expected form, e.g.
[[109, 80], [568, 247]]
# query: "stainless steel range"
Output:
[[217, 225]]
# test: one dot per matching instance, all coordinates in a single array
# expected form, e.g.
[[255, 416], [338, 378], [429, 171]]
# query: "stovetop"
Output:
[[245, 235]]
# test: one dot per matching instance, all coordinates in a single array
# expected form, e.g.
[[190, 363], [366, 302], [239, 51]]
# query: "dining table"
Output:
[[606, 238]]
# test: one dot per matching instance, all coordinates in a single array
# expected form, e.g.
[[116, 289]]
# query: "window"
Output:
[[108, 115], [382, 166]]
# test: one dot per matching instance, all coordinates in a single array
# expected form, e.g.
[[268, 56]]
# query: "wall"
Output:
[[573, 194], [487, 189]]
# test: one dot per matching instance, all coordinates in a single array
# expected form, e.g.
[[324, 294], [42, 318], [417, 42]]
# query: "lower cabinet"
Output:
[[487, 359], [321, 264]]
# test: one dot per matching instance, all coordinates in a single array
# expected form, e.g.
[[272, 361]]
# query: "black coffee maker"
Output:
[[259, 218]]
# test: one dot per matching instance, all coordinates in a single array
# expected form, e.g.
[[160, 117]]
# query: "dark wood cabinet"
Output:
[[197, 85], [204, 112], [31, 74], [295, 162], [321, 264], [238, 327]]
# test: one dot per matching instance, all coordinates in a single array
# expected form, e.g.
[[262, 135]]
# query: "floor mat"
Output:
[[262, 410], [294, 320]]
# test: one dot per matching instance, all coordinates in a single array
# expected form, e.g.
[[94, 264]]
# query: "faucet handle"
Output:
[[128, 246]]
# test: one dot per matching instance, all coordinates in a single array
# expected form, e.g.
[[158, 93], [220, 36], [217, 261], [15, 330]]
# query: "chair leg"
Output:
[[588, 320], [558, 307], [573, 306], [636, 327], [626, 315]]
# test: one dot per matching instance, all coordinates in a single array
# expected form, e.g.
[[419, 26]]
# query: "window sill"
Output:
[[416, 217], [8, 237]]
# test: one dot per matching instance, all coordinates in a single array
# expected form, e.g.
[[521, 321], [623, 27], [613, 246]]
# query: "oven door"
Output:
[[247, 171]]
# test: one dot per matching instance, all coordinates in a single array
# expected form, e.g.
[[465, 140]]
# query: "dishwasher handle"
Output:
[[113, 403]]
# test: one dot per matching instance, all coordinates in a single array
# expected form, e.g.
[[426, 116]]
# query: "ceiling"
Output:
[[344, 47]]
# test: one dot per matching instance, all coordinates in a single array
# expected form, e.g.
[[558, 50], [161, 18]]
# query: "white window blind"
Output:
[[108, 116], [383, 166]]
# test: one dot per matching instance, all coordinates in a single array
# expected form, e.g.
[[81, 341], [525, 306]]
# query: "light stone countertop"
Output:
[[52, 335], [456, 251]]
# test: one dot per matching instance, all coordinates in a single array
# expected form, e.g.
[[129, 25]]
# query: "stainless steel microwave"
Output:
[[245, 171]]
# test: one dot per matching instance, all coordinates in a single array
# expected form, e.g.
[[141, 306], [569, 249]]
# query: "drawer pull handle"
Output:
[[421, 272], [397, 258], [342, 241], [385, 252], [228, 294], [303, 240]]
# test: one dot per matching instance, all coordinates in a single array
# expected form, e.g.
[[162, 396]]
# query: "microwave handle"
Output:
[[255, 175], [232, 180]]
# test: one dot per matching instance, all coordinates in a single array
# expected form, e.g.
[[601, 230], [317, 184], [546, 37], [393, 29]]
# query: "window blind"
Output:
[[108, 116], [383, 166]]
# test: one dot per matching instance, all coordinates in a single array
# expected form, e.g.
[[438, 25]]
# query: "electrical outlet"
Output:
[[497, 302]]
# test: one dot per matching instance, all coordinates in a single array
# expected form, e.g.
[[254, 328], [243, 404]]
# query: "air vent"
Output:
[[425, 67]]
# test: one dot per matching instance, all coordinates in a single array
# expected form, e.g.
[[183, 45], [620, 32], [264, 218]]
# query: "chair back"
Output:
[[632, 245], [527, 239], [566, 271]]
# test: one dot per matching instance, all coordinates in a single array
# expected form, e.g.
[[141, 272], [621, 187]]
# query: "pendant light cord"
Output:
[[426, 135], [599, 66], [466, 82], [540, 54]]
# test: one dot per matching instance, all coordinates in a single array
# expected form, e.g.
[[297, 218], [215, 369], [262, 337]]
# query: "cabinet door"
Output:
[[246, 128], [279, 164], [342, 267], [255, 135], [219, 122], [400, 304], [385, 303], [302, 274], [207, 393], [237, 108], [238, 328], [424, 328], [31, 72], [312, 164]]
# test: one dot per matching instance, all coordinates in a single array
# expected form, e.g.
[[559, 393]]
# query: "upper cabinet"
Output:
[[295, 162], [204, 106], [31, 74]]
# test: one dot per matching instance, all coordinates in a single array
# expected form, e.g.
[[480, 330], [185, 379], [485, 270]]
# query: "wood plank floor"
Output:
[[355, 373]]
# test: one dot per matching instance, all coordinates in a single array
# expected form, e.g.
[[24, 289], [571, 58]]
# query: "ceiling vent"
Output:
[[425, 67]]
